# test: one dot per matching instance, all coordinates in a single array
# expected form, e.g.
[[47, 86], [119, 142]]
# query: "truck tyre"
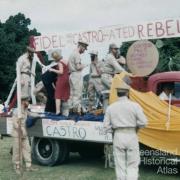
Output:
[[49, 152]]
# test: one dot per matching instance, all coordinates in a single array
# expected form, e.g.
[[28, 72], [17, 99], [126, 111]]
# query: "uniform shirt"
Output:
[[111, 66], [164, 97], [74, 61], [124, 113], [95, 70], [24, 63], [25, 114], [1, 108]]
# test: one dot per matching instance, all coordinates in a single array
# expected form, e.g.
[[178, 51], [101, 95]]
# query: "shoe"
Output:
[[59, 114], [18, 172], [30, 169], [17, 169]]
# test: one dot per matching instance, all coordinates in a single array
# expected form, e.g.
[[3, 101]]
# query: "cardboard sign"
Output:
[[166, 28], [82, 130], [142, 58]]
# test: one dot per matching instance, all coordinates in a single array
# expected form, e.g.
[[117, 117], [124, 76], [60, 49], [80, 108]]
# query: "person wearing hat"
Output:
[[111, 66], [25, 64], [123, 118], [75, 79], [21, 146], [95, 85], [62, 88]]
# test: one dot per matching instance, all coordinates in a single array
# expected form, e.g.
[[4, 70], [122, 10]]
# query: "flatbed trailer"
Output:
[[53, 140]]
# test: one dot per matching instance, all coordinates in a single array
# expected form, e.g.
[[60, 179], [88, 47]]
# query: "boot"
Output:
[[30, 169], [17, 169]]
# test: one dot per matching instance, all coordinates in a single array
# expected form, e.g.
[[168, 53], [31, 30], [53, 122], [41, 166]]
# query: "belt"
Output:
[[95, 77], [27, 73], [125, 129], [108, 74]]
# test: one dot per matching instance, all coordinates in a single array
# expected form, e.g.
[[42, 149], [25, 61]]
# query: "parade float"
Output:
[[54, 137]]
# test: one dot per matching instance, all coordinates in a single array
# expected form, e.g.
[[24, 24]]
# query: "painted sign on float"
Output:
[[118, 33], [142, 58], [82, 130]]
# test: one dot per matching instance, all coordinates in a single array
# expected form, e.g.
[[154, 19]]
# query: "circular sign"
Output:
[[142, 58]]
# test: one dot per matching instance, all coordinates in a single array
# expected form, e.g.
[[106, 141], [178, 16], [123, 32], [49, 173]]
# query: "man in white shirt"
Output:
[[168, 88], [124, 118]]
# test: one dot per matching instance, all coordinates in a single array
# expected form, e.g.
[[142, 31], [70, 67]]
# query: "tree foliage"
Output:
[[14, 37]]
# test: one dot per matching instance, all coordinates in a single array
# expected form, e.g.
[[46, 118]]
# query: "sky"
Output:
[[54, 16], [58, 16]]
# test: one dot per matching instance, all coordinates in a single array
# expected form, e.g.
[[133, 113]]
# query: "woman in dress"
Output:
[[62, 88]]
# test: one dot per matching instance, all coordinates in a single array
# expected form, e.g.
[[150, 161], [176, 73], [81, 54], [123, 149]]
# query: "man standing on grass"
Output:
[[124, 118], [21, 146]]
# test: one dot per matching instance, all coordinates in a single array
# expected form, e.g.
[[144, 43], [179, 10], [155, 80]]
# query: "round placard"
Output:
[[142, 58]]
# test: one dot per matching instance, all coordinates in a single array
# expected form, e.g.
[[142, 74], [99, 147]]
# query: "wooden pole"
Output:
[[19, 110]]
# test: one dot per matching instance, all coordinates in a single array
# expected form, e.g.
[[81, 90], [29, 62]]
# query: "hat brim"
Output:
[[30, 49], [83, 44]]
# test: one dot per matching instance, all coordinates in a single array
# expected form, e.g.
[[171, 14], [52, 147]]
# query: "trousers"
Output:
[[126, 154], [25, 150]]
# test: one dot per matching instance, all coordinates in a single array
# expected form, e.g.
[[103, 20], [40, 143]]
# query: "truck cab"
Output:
[[155, 83]]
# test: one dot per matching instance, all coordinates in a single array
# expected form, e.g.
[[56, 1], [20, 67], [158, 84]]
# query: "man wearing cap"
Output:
[[124, 118], [95, 84], [111, 66], [21, 147], [25, 64], [76, 81]]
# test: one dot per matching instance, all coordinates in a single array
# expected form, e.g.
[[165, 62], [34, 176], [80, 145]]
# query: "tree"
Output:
[[14, 37]]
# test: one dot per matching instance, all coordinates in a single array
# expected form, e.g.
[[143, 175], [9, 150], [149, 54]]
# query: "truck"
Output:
[[53, 140]]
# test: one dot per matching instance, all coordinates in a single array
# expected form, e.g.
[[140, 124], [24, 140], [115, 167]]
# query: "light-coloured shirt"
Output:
[[95, 70], [164, 97], [111, 66], [1, 108], [24, 114], [24, 63], [74, 61], [124, 113]]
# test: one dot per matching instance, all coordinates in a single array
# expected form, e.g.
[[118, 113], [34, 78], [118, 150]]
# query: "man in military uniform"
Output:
[[111, 66], [21, 147], [123, 118], [25, 63], [95, 85], [75, 79]]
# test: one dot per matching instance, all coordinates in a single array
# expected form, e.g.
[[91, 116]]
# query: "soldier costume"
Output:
[[75, 79], [25, 63], [95, 85], [124, 118], [110, 68], [20, 139]]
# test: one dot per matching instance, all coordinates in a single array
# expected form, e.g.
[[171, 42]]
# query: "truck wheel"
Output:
[[49, 152]]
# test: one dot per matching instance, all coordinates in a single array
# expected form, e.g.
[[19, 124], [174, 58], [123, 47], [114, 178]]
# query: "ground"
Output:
[[75, 169]]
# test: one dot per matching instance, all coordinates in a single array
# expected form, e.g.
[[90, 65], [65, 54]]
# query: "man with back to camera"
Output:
[[124, 118], [75, 79]]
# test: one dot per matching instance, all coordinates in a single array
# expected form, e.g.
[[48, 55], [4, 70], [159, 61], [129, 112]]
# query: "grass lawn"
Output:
[[75, 169]]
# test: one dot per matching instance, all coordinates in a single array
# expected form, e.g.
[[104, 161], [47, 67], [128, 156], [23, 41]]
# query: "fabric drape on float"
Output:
[[156, 135]]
